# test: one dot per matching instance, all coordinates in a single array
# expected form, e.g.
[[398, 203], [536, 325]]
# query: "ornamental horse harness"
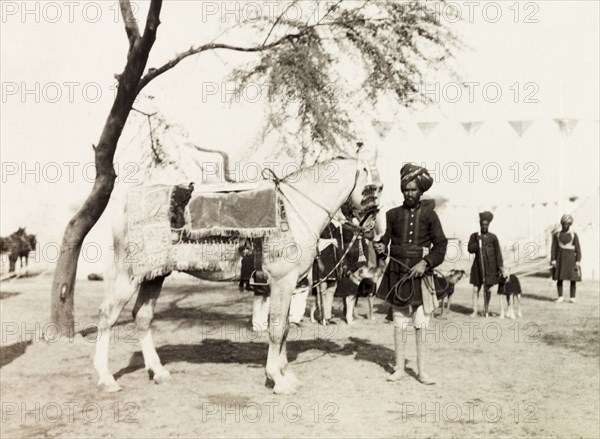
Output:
[[369, 209]]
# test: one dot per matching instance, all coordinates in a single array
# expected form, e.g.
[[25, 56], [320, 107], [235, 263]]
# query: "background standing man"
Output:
[[487, 265], [565, 257]]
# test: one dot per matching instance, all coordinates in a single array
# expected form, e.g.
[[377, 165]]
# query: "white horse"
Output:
[[310, 196]]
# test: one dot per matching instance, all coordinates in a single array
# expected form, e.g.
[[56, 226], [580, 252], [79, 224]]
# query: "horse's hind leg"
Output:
[[118, 293], [143, 312], [281, 296]]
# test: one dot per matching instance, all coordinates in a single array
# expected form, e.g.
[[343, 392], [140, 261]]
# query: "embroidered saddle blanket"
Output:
[[182, 228]]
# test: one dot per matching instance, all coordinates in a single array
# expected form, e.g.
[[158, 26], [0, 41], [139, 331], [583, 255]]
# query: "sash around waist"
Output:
[[408, 251]]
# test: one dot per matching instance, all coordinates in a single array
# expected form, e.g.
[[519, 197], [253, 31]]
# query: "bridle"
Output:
[[268, 173]]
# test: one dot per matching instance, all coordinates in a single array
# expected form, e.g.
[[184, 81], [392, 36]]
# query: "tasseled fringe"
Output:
[[231, 233], [184, 266]]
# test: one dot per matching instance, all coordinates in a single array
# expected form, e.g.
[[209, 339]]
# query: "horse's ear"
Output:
[[367, 154]]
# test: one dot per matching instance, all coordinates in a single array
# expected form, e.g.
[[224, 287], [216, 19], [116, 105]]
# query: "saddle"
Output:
[[172, 225], [232, 210]]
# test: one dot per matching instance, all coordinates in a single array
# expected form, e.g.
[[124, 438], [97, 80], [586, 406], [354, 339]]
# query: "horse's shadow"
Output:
[[254, 353], [187, 316]]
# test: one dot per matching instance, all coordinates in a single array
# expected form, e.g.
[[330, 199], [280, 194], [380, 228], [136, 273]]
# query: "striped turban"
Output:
[[566, 219], [410, 172], [486, 216]]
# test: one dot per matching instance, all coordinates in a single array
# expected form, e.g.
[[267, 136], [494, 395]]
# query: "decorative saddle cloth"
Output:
[[182, 228], [250, 212]]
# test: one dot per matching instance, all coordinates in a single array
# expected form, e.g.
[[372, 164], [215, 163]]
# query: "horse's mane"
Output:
[[320, 162]]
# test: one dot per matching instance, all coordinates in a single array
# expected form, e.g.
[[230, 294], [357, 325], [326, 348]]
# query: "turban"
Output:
[[566, 219], [410, 172], [486, 216]]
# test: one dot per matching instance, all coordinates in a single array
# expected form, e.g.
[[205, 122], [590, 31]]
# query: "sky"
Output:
[[57, 72]]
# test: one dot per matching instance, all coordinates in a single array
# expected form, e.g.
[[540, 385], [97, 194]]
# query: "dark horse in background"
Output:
[[18, 245]]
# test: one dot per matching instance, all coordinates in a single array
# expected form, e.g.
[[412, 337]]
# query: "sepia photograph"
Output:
[[299, 219]]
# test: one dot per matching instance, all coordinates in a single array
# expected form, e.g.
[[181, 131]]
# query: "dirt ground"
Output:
[[532, 377]]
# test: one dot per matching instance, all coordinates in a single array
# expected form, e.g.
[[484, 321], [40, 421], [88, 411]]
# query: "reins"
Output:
[[357, 229], [396, 288]]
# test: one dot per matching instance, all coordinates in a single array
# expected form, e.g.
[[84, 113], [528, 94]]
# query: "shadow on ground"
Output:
[[255, 354], [13, 351], [537, 297]]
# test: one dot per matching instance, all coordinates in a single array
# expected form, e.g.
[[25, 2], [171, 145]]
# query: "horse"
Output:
[[310, 198], [18, 245]]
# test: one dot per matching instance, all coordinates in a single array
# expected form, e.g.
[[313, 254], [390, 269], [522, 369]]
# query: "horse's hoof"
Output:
[[163, 376], [109, 386], [284, 388]]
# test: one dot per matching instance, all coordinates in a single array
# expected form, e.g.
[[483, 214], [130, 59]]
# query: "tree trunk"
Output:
[[62, 315], [63, 285]]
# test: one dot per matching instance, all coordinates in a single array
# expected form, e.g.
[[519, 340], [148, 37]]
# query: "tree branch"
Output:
[[154, 72], [152, 22], [277, 21], [224, 156], [131, 27]]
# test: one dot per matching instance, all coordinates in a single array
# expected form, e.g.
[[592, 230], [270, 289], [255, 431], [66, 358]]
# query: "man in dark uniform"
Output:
[[417, 245], [565, 258], [487, 265]]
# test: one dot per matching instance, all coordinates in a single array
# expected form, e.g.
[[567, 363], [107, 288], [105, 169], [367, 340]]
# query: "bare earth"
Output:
[[532, 377]]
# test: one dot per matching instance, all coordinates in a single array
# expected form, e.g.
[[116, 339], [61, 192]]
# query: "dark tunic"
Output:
[[492, 259], [414, 235], [565, 251], [346, 287], [325, 263]]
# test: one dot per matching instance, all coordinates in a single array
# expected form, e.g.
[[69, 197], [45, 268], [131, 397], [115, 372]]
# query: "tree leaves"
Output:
[[392, 42]]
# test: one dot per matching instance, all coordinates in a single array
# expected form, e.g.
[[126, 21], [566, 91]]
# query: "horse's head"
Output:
[[32, 240]]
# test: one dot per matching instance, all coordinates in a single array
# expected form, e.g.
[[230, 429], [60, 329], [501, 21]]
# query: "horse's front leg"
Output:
[[281, 297]]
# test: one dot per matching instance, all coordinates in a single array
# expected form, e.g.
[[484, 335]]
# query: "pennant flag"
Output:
[[382, 128], [427, 127], [471, 127], [566, 125], [520, 126]]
